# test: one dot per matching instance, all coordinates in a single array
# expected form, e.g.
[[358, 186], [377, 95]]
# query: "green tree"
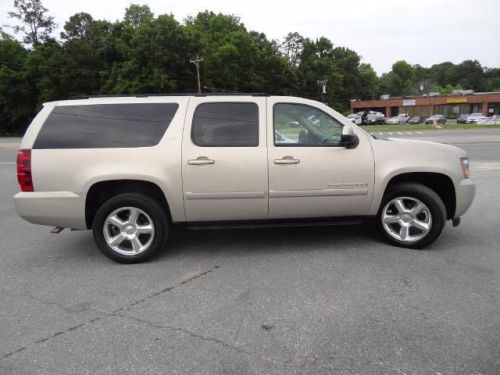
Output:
[[46, 69], [400, 81], [136, 15], [292, 47], [471, 75], [493, 77], [443, 73], [235, 59], [317, 63], [369, 83], [86, 49], [36, 24], [153, 58], [78, 26], [17, 96]]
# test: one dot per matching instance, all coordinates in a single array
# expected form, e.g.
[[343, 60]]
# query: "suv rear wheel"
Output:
[[129, 228], [412, 215]]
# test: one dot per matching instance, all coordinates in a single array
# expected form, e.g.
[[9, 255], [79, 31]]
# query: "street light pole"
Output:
[[322, 83], [197, 62]]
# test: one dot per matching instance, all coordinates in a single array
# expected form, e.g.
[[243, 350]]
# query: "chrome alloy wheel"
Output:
[[406, 219], [128, 230]]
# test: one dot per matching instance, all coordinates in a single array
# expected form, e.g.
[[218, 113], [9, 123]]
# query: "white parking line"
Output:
[[485, 166]]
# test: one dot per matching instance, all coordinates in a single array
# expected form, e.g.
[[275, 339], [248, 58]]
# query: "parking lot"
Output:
[[330, 300]]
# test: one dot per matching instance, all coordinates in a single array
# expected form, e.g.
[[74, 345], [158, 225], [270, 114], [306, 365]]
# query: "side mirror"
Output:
[[349, 139]]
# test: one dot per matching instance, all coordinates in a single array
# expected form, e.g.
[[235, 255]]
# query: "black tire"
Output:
[[135, 200], [428, 197]]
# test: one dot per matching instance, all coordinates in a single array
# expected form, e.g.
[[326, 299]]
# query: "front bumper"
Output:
[[55, 208], [465, 192]]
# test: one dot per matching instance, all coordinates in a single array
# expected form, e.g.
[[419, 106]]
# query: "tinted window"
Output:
[[106, 125], [303, 125], [226, 125]]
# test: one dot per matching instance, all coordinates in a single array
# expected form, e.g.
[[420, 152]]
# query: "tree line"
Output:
[[144, 53]]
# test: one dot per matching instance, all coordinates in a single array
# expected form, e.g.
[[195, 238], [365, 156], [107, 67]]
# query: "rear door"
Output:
[[224, 159]]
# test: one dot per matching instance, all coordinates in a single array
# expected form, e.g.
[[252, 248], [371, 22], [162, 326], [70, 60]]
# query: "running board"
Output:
[[273, 223]]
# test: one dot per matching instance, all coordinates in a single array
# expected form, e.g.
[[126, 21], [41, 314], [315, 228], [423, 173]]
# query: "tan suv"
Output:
[[130, 168]]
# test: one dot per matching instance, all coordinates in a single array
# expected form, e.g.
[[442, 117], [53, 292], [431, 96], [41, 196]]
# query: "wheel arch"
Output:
[[440, 183], [101, 191]]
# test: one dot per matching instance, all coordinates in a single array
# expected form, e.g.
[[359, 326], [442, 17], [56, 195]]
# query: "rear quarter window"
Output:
[[105, 125]]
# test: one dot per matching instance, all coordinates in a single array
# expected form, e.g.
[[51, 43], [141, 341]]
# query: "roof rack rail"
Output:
[[76, 97]]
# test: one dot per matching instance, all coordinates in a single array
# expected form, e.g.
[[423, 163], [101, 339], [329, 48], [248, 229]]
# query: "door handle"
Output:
[[287, 160], [201, 160]]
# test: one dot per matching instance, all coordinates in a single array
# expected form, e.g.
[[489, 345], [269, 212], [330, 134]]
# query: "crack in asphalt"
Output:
[[116, 312], [47, 303], [120, 313], [183, 330], [211, 339]]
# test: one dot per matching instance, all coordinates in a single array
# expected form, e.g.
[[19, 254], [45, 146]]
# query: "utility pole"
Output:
[[197, 62], [322, 83]]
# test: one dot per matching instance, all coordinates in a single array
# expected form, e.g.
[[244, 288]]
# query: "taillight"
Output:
[[24, 170]]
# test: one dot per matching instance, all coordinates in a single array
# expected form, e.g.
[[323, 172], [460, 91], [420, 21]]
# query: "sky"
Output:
[[422, 32]]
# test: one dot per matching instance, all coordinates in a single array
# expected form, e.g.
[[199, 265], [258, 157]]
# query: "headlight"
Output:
[[465, 166]]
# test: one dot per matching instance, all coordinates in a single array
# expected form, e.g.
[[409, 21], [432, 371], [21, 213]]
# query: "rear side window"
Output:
[[226, 125], [106, 125]]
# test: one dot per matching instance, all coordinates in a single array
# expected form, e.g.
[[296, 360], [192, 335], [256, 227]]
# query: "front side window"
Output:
[[303, 125], [226, 125]]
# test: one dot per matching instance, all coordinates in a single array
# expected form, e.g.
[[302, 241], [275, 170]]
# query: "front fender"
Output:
[[396, 157]]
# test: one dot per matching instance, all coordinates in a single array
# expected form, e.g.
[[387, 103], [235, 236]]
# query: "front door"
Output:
[[224, 159], [310, 173]]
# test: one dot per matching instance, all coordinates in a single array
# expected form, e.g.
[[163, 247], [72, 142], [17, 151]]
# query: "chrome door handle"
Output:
[[287, 160], [201, 160]]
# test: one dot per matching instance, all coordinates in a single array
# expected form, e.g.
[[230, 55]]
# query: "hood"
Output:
[[423, 148]]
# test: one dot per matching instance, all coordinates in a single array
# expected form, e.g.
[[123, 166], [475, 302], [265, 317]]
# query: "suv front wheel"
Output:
[[411, 215], [130, 227]]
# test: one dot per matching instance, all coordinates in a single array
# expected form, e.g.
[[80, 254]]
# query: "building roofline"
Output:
[[428, 96]]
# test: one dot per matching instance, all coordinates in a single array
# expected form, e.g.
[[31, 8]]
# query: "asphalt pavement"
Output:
[[331, 300]]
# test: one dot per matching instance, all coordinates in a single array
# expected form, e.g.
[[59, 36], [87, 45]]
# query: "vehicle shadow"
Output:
[[184, 243], [266, 240]]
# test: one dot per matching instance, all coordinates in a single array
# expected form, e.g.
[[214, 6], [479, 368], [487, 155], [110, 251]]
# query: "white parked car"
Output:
[[375, 118], [355, 118], [402, 118], [133, 168], [393, 120], [474, 118], [492, 120]]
